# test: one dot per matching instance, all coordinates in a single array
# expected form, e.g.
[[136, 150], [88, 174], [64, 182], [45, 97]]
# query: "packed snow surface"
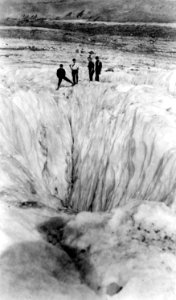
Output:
[[88, 175]]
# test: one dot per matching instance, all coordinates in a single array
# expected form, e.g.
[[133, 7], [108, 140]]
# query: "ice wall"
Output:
[[93, 147], [35, 144], [124, 147]]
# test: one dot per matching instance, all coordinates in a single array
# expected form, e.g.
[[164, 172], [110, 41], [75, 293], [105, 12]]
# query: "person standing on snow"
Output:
[[98, 67], [90, 68], [75, 69], [61, 74]]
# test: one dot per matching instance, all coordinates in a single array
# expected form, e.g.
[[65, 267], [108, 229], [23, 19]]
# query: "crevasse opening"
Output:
[[87, 183], [93, 148]]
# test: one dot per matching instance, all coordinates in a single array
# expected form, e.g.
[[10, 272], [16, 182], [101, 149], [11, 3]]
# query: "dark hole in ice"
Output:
[[28, 204], [55, 231], [113, 288]]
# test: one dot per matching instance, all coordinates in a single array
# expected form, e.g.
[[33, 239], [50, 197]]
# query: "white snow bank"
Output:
[[128, 248], [166, 80], [158, 218]]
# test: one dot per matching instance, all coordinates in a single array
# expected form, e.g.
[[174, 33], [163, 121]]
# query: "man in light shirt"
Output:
[[74, 68]]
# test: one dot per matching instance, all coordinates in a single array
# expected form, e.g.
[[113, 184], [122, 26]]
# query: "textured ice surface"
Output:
[[107, 149]]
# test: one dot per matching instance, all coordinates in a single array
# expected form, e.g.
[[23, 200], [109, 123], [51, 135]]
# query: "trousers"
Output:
[[97, 78], [75, 76], [63, 78], [91, 72]]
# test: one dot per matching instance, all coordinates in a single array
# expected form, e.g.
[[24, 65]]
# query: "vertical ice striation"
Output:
[[35, 148], [124, 147], [92, 148]]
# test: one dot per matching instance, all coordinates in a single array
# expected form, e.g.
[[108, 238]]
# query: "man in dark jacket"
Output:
[[90, 68], [61, 74], [98, 67]]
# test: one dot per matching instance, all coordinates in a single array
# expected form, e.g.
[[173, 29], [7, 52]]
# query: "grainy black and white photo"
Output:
[[87, 150]]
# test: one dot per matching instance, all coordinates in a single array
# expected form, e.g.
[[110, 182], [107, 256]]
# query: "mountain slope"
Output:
[[113, 10]]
